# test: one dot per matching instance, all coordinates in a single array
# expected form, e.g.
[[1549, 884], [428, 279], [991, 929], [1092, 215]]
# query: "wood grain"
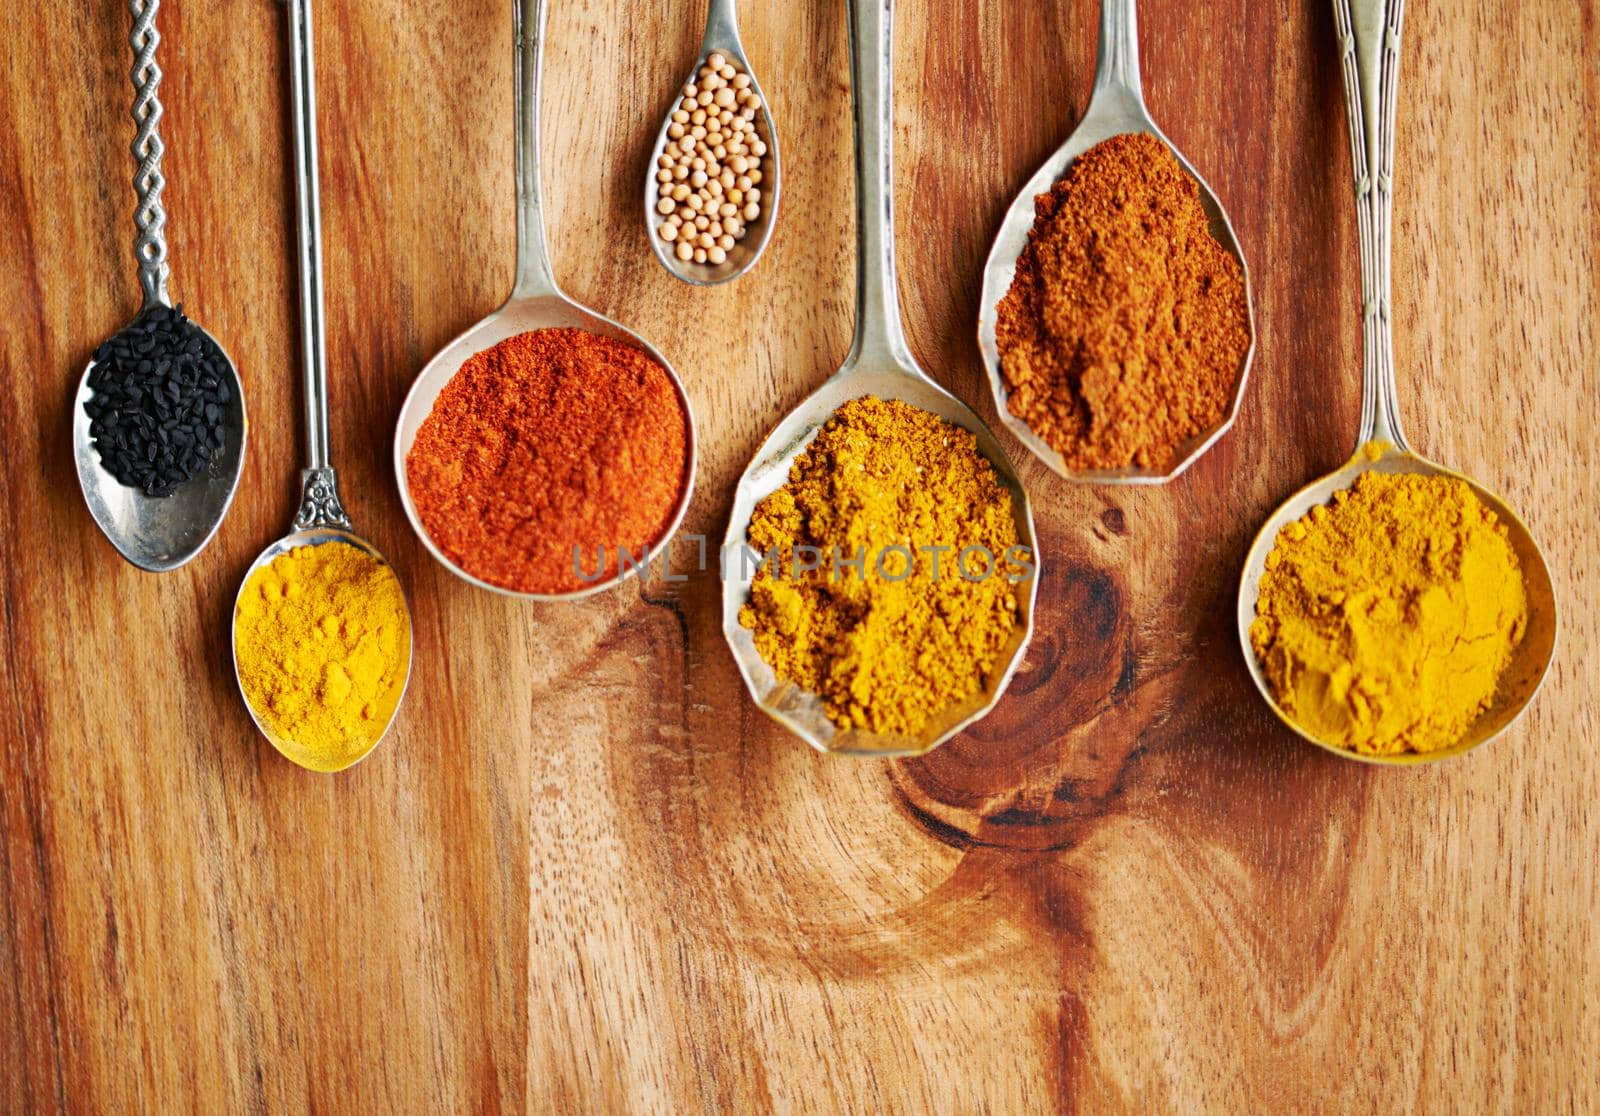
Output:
[[584, 874]]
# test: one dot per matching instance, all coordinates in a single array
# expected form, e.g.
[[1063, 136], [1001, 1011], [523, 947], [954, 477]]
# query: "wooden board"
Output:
[[584, 874]]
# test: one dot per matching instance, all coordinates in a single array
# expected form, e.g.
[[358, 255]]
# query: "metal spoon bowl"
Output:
[[721, 37], [161, 533], [536, 302], [1116, 108], [801, 711], [1525, 674], [880, 363], [520, 314], [1369, 34], [157, 533], [289, 749], [321, 518]]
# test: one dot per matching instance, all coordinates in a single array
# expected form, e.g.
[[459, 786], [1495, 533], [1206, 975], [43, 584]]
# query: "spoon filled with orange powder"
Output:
[[547, 458], [1115, 321], [547, 439]]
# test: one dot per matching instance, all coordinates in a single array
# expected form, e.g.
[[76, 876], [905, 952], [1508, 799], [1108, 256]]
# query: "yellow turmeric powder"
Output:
[[904, 615], [323, 643], [1387, 617]]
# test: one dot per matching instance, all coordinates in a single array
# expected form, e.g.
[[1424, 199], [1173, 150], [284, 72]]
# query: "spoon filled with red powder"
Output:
[[546, 452], [548, 455]]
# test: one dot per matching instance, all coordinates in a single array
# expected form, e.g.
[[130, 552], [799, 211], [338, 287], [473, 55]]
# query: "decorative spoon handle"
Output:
[[878, 331], [1369, 41], [535, 275], [319, 500], [150, 246]]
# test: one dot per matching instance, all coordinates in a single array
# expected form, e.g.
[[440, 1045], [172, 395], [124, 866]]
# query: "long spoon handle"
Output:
[[319, 504], [1369, 41], [150, 245], [1117, 64], [535, 275], [722, 24], [878, 331]]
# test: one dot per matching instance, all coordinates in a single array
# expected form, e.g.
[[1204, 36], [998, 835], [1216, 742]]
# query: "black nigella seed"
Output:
[[155, 411]]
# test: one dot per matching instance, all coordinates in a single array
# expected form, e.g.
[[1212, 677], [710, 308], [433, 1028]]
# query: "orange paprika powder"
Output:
[[549, 441]]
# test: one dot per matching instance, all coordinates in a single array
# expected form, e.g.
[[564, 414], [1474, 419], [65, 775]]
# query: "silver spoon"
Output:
[[321, 517], [157, 533], [1369, 39], [721, 37], [1116, 107], [536, 302], [880, 363]]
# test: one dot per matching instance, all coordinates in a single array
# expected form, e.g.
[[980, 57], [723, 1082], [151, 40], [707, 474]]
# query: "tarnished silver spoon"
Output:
[[880, 363], [321, 517], [1116, 107], [536, 302], [1369, 40], [157, 533], [721, 37]]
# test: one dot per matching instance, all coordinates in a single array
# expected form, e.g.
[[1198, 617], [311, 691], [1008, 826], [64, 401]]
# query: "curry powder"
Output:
[[1124, 332], [888, 644], [1386, 618]]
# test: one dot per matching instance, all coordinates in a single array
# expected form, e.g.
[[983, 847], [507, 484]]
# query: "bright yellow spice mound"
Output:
[[886, 655], [323, 643], [1387, 617]]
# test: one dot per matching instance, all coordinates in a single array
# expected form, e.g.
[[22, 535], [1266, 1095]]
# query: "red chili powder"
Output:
[[546, 441]]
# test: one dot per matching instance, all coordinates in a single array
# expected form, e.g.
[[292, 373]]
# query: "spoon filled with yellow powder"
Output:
[[321, 634], [322, 646], [865, 634], [1385, 619], [1394, 611]]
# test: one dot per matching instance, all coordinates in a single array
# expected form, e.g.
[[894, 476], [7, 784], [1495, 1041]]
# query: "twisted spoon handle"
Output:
[[150, 246], [1369, 43]]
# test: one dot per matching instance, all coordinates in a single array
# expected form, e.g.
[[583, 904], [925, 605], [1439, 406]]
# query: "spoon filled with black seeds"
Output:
[[159, 428]]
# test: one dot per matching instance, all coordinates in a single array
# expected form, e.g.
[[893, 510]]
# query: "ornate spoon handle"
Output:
[[319, 486], [1369, 43], [150, 246]]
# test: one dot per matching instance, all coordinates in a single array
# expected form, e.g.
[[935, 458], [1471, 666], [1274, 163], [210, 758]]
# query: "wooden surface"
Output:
[[583, 874]]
